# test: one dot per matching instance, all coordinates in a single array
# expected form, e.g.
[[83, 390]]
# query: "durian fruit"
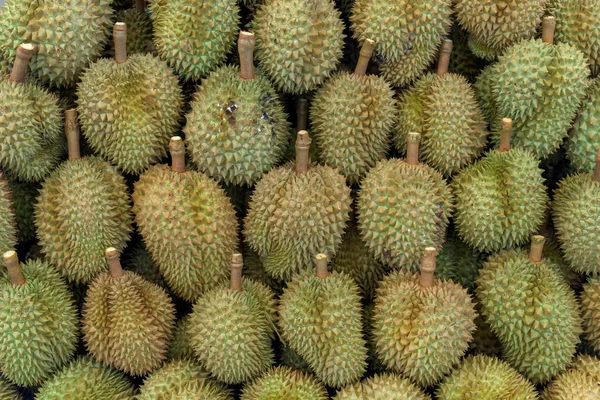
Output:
[[39, 326], [237, 129], [188, 225], [8, 222], [580, 382], [296, 212], [486, 378], [382, 387], [129, 106], [285, 383], [8, 391], [291, 359], [255, 270], [584, 137], [444, 109], [484, 340], [83, 207], [298, 42], [590, 310], [463, 61], [181, 380], [31, 140], [531, 309], [68, 35], [139, 29], [422, 326], [403, 207], [84, 378], [459, 263], [352, 116], [501, 199], [127, 321], [320, 319], [24, 197], [231, 328], [137, 259], [180, 347]]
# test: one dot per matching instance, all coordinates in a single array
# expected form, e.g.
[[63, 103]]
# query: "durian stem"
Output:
[[322, 272], [11, 261], [246, 52], [505, 132], [114, 262], [548, 27], [302, 149], [302, 115], [120, 40], [596, 176], [537, 248], [19, 69], [73, 134], [444, 60], [412, 148], [140, 6], [427, 267], [366, 52], [236, 265], [177, 150]]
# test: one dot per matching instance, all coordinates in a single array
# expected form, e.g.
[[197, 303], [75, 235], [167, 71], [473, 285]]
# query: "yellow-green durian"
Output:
[[584, 137], [285, 383], [298, 42], [137, 259], [84, 378], [8, 222], [590, 310], [382, 387], [139, 31], [180, 347], [39, 327], [531, 309], [580, 382], [8, 391], [127, 321], [403, 207], [129, 107], [320, 319], [458, 262], [24, 198]]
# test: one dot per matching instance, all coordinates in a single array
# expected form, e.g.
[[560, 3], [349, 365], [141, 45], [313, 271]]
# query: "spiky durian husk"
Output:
[[237, 129], [351, 117], [85, 379], [458, 262], [382, 387], [255, 270], [590, 307], [180, 347], [139, 32], [320, 319], [137, 259], [484, 94], [129, 111], [170, 205], [292, 217], [375, 364], [181, 380], [421, 332], [24, 198], [298, 43], [553, 254], [293, 360], [8, 391], [582, 144], [463, 60], [83, 208], [532, 310], [484, 340], [402, 209], [580, 382], [39, 326], [285, 383], [8, 225], [500, 200], [127, 322]]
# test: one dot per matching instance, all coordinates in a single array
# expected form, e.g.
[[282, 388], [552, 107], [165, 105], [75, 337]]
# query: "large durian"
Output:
[[296, 212], [590, 310], [382, 387], [320, 319], [83, 207], [127, 321], [285, 383], [8, 223], [188, 225], [403, 207], [129, 106], [580, 382], [582, 143], [24, 198], [237, 129], [39, 326]]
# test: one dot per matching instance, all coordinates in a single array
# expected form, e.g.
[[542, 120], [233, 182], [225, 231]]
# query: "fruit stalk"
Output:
[[444, 60], [236, 265], [246, 51], [19, 70], [412, 148], [73, 134], [366, 52], [427, 267], [302, 115], [114, 262], [505, 132], [548, 27], [302, 148], [596, 176], [536, 249], [177, 150], [11, 261], [120, 41], [321, 260]]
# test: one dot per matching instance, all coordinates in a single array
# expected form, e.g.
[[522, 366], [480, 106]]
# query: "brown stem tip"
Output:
[[114, 262], [321, 260], [548, 27], [537, 248], [444, 60], [302, 115], [428, 267], [140, 6], [596, 175], [505, 132], [73, 134], [11, 261], [120, 41], [366, 52], [19, 69], [412, 148], [246, 51], [302, 148], [177, 150], [236, 265]]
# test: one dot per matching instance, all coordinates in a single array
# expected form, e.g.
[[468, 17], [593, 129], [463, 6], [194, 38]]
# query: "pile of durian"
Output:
[[300, 199]]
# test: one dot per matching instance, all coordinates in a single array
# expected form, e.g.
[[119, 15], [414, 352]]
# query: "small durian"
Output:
[[84, 378], [129, 106], [180, 347], [295, 212], [298, 42], [127, 321], [39, 327], [8, 391], [320, 319], [403, 207], [8, 222], [237, 129], [458, 262], [590, 312], [580, 382], [284, 383], [24, 198], [173, 203], [584, 137], [139, 29], [531, 309], [382, 387]]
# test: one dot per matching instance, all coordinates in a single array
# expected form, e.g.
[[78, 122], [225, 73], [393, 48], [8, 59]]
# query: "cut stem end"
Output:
[[177, 150], [366, 52], [322, 271], [114, 262], [302, 149], [537, 248], [11, 261]]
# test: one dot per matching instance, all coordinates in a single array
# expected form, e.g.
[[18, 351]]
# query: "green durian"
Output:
[[590, 312], [531, 309], [291, 359], [24, 199], [484, 93], [580, 382], [139, 31], [463, 61], [127, 321], [255, 270], [180, 347], [298, 43], [484, 340], [382, 387], [285, 383], [459, 263], [173, 203], [553, 254], [129, 107], [84, 378], [8, 225], [137, 259], [582, 143], [39, 326], [8, 391], [320, 319]]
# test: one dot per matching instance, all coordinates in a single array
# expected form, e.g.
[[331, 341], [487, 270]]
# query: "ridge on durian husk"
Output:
[[8, 225], [284, 383], [24, 199], [139, 32], [386, 386], [580, 382], [8, 391], [582, 143], [590, 312]]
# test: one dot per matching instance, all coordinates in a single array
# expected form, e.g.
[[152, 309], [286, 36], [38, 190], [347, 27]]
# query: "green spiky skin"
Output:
[[24, 198], [458, 262], [129, 111], [292, 217], [554, 255], [590, 307], [298, 43], [230, 332], [484, 340], [180, 347], [181, 380], [484, 94], [402, 209], [500, 200], [138, 259], [291, 359], [170, 205], [320, 319], [382, 387], [582, 144], [237, 129], [39, 326], [285, 383], [532, 310], [68, 35], [421, 332], [8, 391], [139, 32], [83, 208], [351, 117], [194, 36], [85, 379], [255, 270], [127, 322], [374, 364], [580, 382], [8, 225], [463, 61]]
